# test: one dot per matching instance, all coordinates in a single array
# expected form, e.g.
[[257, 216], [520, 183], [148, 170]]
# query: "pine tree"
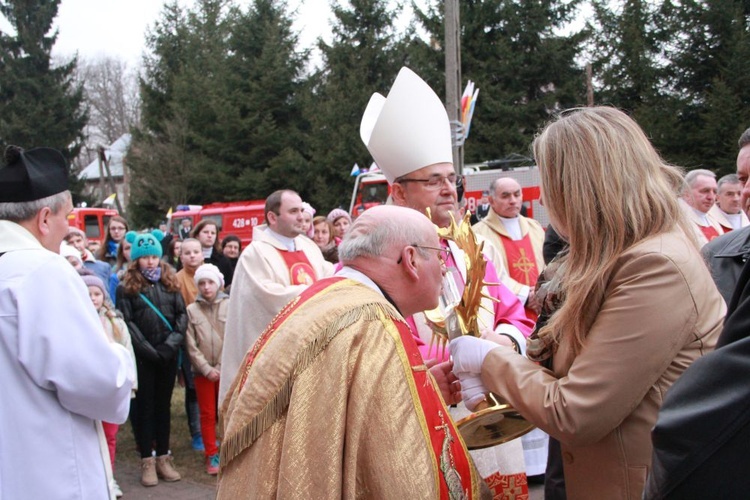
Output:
[[524, 68], [268, 150], [220, 105], [40, 105], [710, 76], [364, 57], [176, 153]]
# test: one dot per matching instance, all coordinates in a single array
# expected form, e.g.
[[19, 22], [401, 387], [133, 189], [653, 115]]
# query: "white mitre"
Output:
[[407, 131]]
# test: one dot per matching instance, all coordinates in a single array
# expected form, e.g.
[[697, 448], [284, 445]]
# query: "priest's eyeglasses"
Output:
[[435, 182], [442, 252]]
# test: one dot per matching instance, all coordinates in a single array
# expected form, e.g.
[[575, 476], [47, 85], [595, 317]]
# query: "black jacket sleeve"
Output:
[[141, 346]]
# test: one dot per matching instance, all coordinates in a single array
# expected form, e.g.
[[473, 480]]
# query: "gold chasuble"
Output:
[[334, 401]]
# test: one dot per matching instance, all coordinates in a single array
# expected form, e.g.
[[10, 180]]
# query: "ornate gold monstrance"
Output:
[[494, 421]]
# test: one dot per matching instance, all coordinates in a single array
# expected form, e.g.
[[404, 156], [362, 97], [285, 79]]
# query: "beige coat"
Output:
[[661, 311], [205, 333]]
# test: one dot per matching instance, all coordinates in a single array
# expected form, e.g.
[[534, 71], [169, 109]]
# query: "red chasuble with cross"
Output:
[[300, 270], [709, 232], [521, 263]]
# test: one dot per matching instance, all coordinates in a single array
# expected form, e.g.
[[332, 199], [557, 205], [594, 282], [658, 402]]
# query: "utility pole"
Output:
[[453, 80]]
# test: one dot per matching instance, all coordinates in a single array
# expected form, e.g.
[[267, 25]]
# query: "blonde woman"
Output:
[[638, 305]]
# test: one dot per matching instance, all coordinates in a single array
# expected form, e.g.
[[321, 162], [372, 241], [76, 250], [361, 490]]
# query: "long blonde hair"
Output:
[[606, 189]]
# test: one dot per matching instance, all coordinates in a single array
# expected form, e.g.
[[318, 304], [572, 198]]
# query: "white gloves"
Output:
[[468, 355], [469, 352]]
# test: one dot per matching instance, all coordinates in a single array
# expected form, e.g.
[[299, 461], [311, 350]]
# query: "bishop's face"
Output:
[[432, 187]]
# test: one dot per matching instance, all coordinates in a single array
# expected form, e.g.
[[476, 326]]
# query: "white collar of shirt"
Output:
[[734, 219], [702, 216], [284, 240], [353, 274], [513, 226]]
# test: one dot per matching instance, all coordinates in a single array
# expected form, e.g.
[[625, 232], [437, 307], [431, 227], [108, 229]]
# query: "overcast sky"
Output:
[[117, 27]]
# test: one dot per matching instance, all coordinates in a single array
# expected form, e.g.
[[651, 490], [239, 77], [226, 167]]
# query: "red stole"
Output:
[[725, 228], [709, 232], [521, 264], [451, 456], [300, 270]]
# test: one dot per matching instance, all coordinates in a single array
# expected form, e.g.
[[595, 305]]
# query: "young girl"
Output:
[[117, 331], [116, 230], [150, 301], [205, 338], [191, 258], [121, 264]]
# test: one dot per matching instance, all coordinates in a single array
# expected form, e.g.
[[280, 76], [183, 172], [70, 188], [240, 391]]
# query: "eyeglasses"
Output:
[[115, 228], [436, 181], [442, 252]]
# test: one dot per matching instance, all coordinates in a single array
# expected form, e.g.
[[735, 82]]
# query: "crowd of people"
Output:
[[308, 358]]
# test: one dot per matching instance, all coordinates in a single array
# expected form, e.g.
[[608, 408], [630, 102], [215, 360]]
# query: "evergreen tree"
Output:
[[364, 57], [524, 68], [40, 104], [268, 151], [220, 95], [710, 76], [630, 43]]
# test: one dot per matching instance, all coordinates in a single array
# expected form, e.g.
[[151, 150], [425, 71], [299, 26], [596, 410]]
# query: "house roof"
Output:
[[115, 154]]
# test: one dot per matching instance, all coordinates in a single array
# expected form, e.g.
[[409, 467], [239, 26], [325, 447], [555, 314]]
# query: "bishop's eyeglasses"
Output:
[[435, 182]]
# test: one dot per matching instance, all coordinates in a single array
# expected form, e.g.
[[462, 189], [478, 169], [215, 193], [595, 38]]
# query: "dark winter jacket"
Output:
[[726, 256], [152, 339]]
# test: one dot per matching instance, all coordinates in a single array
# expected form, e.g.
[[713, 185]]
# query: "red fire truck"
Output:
[[237, 217], [92, 221], [372, 189]]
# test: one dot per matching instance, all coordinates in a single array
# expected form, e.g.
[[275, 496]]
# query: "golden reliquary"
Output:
[[494, 421]]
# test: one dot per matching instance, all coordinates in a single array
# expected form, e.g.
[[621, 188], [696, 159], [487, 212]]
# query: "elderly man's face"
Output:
[[743, 172], [507, 199], [702, 194], [442, 201], [729, 198]]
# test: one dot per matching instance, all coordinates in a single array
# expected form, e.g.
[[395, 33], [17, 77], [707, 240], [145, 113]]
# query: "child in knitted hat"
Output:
[[150, 301], [341, 221], [116, 331], [205, 338]]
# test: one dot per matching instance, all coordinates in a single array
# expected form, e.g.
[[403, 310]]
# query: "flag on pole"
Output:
[[374, 167], [169, 213], [355, 170], [109, 199], [468, 102]]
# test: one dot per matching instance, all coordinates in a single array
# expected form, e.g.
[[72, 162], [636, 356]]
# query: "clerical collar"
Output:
[[284, 240], [513, 226], [360, 277], [734, 219], [702, 216]]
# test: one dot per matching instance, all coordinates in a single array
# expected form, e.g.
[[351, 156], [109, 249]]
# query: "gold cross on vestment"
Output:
[[525, 265]]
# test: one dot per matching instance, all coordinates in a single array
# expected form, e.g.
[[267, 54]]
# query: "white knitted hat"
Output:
[[209, 272], [407, 131]]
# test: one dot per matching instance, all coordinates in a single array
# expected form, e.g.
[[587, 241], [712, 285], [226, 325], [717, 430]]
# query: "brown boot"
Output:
[[148, 472], [165, 469]]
